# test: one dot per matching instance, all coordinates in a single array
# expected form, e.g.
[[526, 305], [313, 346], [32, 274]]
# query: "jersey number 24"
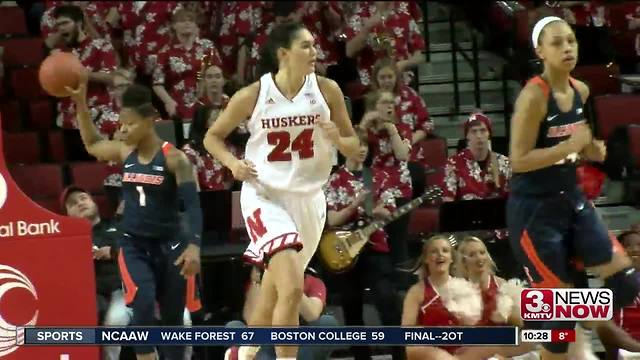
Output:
[[302, 144]]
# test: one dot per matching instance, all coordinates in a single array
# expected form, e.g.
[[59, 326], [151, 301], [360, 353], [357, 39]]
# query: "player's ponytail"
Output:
[[281, 36]]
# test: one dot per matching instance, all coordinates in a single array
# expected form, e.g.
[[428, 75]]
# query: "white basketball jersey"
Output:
[[290, 150]]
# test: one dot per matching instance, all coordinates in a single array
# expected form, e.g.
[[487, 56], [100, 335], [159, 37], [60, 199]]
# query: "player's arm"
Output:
[[530, 110], [347, 142], [596, 150], [96, 145], [179, 164], [239, 108], [612, 336]]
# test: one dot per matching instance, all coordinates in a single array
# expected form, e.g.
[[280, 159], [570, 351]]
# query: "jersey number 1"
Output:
[[303, 144], [143, 198]]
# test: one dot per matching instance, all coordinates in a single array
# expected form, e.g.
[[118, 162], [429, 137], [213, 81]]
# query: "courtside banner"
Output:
[[221, 336]]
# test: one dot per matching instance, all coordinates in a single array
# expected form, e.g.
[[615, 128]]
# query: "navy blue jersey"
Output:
[[557, 126], [150, 197]]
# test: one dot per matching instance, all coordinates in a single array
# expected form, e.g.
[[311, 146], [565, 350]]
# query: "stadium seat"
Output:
[[22, 148], [602, 79], [55, 149], [613, 111], [12, 21], [22, 52], [11, 116], [89, 175], [434, 151], [41, 116], [50, 203], [39, 181], [238, 230], [25, 84], [424, 221], [104, 206]]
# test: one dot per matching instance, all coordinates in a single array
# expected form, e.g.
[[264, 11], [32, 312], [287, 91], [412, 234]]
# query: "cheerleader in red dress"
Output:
[[438, 299], [500, 298]]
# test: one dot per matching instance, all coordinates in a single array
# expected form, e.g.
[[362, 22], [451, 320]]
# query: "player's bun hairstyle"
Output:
[[138, 98], [281, 36], [69, 11]]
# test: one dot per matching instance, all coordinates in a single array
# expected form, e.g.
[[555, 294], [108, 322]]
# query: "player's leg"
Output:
[[602, 254], [539, 232], [275, 242], [118, 314], [139, 286], [172, 288], [288, 276]]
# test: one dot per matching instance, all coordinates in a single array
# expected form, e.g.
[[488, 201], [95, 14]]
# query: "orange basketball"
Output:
[[58, 70]]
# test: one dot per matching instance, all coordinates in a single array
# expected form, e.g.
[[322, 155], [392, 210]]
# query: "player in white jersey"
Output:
[[297, 120]]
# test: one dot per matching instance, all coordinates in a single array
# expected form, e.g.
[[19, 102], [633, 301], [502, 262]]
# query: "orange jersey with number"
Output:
[[289, 149]]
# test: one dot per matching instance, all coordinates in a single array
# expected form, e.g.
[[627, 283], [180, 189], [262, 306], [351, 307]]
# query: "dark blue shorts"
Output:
[[548, 233]]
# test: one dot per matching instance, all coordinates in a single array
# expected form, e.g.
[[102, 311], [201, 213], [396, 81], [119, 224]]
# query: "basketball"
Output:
[[59, 70]]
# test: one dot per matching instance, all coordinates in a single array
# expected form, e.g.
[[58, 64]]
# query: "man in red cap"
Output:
[[476, 172], [112, 310]]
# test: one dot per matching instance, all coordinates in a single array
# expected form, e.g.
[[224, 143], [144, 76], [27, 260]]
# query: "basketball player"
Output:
[[295, 120], [155, 259], [549, 218]]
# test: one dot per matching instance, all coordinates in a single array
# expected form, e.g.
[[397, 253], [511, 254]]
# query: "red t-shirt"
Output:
[[628, 318]]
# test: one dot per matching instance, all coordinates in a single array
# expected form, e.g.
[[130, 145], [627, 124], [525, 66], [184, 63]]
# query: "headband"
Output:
[[537, 29]]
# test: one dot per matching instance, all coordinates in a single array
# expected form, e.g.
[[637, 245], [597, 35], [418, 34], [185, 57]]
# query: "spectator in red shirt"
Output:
[[380, 29], [98, 57], [146, 30], [476, 172], [390, 145], [412, 111], [175, 79], [346, 195], [314, 301], [410, 106], [95, 14]]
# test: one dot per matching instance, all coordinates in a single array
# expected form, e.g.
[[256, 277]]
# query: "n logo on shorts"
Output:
[[256, 226]]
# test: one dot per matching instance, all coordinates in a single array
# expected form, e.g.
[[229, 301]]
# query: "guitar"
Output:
[[339, 248]]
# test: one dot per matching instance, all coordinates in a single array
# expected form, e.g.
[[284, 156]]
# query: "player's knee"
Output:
[[290, 293], [625, 285]]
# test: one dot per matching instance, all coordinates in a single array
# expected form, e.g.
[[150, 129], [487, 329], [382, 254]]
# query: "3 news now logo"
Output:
[[566, 304]]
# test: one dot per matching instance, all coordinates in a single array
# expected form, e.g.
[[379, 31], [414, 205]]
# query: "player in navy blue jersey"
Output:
[[550, 221], [158, 259]]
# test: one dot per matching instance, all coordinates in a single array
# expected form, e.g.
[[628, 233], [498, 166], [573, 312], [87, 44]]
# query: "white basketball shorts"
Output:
[[277, 220]]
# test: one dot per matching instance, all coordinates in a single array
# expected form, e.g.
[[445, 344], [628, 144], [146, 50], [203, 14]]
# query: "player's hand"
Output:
[[580, 138], [170, 106], [244, 170], [595, 151], [79, 95], [380, 212], [331, 130], [189, 260], [103, 253]]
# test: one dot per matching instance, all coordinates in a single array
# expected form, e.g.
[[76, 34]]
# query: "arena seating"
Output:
[[613, 111], [12, 21], [22, 148]]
